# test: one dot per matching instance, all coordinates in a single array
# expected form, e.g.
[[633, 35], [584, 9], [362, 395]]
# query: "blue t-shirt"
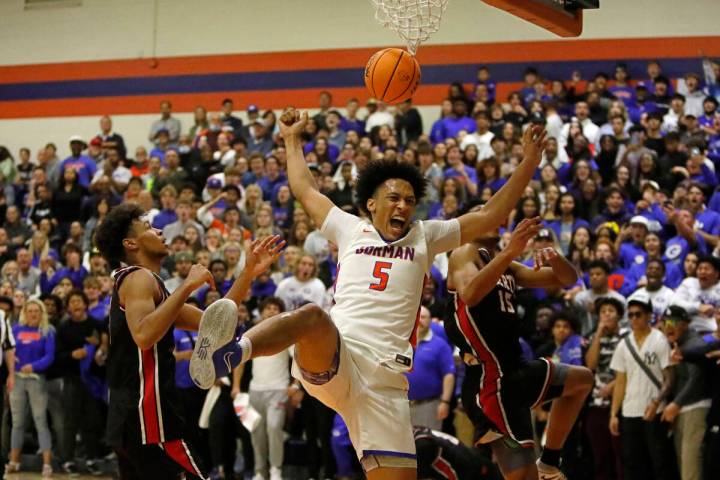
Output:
[[452, 126], [164, 217], [708, 221], [471, 173], [34, 348], [631, 254], [83, 165], [570, 352], [626, 94], [433, 360], [184, 341], [673, 274], [677, 248]]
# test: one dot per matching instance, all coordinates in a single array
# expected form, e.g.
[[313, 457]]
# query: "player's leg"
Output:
[[514, 461], [565, 408], [309, 328], [576, 383], [392, 473], [217, 350]]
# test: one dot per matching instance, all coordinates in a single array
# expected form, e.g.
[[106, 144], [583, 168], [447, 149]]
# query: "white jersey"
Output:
[[295, 293], [379, 284]]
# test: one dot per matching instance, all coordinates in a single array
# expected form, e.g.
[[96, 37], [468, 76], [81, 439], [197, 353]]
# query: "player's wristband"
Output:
[[445, 401]]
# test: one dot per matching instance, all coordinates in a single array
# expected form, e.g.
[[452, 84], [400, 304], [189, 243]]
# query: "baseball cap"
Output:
[[544, 234], [183, 257], [675, 313], [640, 220], [371, 101], [96, 142], [642, 299], [213, 183], [652, 184], [252, 108], [77, 138], [695, 151], [537, 118]]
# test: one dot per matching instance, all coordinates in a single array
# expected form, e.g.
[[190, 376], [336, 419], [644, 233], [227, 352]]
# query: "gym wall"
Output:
[[63, 66]]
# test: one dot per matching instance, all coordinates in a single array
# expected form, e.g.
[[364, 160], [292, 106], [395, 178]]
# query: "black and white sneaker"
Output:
[[71, 469], [93, 468], [216, 350]]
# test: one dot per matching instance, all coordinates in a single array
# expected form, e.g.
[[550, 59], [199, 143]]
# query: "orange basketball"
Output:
[[392, 75]]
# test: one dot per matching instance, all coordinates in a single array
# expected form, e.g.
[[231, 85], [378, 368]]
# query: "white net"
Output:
[[413, 20]]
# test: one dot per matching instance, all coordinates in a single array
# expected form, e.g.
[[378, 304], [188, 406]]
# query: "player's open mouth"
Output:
[[397, 223]]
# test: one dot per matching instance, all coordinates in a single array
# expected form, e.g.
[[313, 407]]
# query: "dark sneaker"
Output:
[[216, 350], [71, 469], [93, 468]]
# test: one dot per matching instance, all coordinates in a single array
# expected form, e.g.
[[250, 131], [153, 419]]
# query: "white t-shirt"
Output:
[[640, 390], [482, 142], [271, 373], [660, 299], [689, 295], [379, 284], [295, 293]]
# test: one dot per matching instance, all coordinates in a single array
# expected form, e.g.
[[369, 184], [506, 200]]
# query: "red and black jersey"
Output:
[[489, 331], [143, 396]]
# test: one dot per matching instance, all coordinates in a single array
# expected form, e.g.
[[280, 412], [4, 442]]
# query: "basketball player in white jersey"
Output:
[[353, 359]]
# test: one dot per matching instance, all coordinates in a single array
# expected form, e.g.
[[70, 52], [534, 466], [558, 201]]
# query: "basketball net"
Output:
[[413, 20]]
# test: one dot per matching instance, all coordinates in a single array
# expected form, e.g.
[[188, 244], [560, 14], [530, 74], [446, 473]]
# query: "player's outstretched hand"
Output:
[[544, 257], [292, 122], [524, 231], [534, 140], [263, 253], [198, 277]]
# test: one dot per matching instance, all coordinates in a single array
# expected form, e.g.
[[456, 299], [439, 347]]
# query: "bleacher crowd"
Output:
[[627, 190]]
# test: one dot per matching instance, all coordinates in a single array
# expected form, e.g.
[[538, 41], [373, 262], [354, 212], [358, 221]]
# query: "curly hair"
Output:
[[377, 172], [113, 229]]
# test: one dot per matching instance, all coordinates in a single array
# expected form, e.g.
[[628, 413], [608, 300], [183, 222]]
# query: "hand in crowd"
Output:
[[79, 353], [670, 412], [443, 411], [651, 411]]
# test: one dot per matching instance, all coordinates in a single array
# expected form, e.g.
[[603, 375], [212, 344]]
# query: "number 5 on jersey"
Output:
[[380, 271]]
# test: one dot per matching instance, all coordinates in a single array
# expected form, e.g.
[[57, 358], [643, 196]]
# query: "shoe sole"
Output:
[[217, 329]]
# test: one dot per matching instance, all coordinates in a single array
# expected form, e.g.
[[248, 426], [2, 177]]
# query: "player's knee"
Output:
[[584, 379], [316, 319]]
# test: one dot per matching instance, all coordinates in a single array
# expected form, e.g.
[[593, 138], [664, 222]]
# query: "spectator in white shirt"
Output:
[[303, 286], [643, 380], [268, 396], [700, 296], [582, 116]]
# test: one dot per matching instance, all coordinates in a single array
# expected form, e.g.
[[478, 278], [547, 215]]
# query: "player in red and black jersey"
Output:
[[483, 322], [144, 417]]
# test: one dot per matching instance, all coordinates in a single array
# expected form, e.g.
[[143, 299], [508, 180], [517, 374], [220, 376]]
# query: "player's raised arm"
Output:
[[302, 183], [497, 209], [471, 283]]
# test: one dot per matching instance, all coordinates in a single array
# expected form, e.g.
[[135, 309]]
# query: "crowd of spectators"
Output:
[[627, 190]]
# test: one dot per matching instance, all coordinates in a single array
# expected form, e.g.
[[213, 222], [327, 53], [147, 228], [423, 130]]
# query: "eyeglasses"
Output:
[[635, 314]]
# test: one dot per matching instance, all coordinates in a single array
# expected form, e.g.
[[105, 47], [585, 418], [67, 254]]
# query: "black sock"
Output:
[[550, 457]]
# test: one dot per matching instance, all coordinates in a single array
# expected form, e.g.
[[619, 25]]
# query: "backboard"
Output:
[[562, 17]]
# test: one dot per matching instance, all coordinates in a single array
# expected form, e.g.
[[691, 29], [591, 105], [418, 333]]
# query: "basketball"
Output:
[[392, 75]]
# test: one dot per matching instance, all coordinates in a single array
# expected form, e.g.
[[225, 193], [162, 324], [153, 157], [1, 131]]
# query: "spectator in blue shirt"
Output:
[[622, 90], [432, 377], [436, 131], [565, 226], [72, 270], [686, 240], [633, 252], [168, 203], [707, 222], [568, 344], [82, 164], [457, 121], [466, 175], [34, 352], [350, 121], [273, 178]]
